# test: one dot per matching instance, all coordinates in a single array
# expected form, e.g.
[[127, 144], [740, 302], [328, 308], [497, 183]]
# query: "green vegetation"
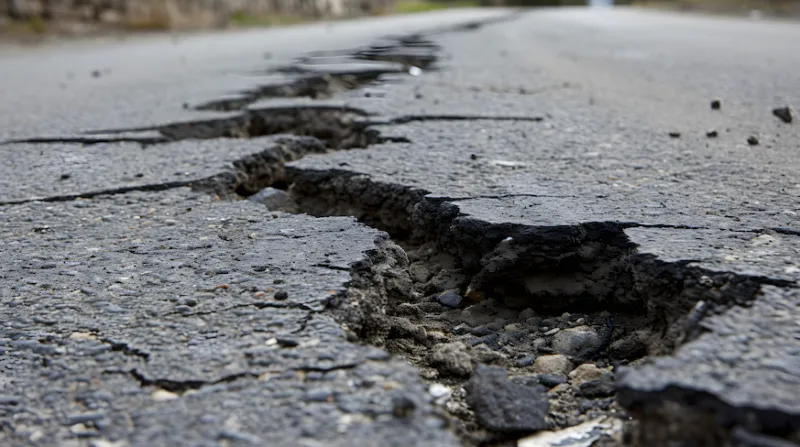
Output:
[[241, 19], [37, 25], [411, 6], [777, 8]]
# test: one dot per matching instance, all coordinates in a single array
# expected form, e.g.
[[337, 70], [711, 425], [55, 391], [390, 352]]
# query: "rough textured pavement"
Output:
[[529, 164]]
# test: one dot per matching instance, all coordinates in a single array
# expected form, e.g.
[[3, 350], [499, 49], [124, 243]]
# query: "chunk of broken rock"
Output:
[[602, 387], [450, 299], [452, 358], [585, 373], [506, 406], [578, 341], [275, 200], [552, 364]]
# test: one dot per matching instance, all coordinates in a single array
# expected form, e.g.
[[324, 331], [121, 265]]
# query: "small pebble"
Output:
[[597, 388], [586, 373], [674, 134], [534, 321], [551, 380], [784, 113], [553, 331], [322, 395], [577, 342], [163, 395], [716, 104], [481, 331], [281, 295], [526, 361], [552, 364], [449, 299], [712, 134], [402, 406], [437, 390], [752, 140], [287, 342], [461, 329]]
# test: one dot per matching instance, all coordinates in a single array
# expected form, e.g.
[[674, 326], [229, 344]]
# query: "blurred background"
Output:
[[80, 17]]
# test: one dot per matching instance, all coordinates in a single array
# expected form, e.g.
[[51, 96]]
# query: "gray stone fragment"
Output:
[[551, 380], [452, 358], [552, 364], [601, 387], [275, 200], [526, 361], [631, 346], [576, 342], [504, 405], [449, 299], [403, 406]]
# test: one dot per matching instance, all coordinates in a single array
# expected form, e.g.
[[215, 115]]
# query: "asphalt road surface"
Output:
[[477, 227]]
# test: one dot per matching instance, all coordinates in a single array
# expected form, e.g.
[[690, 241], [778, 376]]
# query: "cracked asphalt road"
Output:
[[143, 303]]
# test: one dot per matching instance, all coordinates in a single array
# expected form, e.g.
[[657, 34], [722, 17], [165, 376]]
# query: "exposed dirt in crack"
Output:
[[558, 307], [318, 86], [322, 75]]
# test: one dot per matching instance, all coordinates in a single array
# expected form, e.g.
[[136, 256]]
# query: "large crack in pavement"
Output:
[[570, 311], [322, 75], [572, 303]]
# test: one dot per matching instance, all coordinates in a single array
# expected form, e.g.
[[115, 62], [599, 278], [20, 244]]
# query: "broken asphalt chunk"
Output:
[[506, 406]]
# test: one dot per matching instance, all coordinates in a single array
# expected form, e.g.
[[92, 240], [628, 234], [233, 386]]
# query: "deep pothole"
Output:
[[555, 310]]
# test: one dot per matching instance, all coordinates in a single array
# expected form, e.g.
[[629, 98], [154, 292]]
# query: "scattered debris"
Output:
[[784, 113]]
